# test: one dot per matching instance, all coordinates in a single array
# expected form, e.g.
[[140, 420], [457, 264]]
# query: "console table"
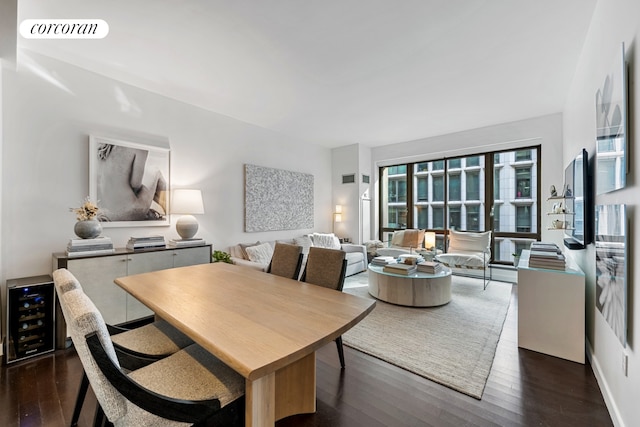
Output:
[[416, 290], [551, 310]]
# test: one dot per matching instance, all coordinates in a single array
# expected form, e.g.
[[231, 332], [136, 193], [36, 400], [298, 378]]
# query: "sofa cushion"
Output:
[[397, 238], [244, 246], [353, 257], [465, 242], [261, 253], [305, 242], [413, 238], [329, 241]]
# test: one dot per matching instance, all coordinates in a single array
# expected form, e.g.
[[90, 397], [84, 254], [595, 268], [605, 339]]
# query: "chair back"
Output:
[[65, 282], [83, 318], [326, 267], [286, 260]]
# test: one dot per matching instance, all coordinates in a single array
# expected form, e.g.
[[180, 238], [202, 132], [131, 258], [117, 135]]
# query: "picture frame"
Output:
[[611, 128], [612, 251], [130, 181]]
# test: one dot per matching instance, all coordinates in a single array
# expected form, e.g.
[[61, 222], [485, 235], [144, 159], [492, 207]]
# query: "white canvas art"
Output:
[[277, 199]]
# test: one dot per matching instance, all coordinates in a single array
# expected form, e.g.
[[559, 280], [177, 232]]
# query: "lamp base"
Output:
[[187, 226]]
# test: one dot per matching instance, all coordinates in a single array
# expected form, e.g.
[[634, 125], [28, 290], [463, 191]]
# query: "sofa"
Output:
[[403, 242], [257, 255]]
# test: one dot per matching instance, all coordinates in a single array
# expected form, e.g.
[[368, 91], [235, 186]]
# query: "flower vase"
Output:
[[88, 229]]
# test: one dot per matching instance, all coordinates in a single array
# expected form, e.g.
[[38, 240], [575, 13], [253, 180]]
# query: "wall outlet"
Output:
[[625, 364]]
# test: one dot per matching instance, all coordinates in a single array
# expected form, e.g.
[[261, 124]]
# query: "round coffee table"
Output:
[[416, 290]]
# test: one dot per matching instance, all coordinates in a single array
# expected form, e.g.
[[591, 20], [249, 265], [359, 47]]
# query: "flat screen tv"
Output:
[[578, 192]]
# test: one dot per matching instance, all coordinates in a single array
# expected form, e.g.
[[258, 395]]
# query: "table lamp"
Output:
[[430, 241], [187, 203]]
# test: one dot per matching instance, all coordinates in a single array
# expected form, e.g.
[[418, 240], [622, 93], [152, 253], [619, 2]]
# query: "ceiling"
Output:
[[336, 72]]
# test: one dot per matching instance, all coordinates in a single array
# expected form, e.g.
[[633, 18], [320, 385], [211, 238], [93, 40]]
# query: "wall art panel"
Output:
[[277, 199]]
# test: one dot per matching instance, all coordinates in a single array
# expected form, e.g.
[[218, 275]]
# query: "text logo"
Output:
[[64, 29]]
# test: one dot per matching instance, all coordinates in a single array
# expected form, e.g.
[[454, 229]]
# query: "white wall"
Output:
[[614, 22], [49, 110], [545, 131]]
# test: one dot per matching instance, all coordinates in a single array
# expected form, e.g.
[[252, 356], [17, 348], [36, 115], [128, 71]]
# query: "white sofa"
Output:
[[257, 256]]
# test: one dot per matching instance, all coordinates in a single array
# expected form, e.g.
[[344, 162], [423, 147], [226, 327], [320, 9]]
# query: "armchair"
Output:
[[468, 250]]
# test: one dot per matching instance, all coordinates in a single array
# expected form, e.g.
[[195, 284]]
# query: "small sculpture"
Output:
[[554, 193]]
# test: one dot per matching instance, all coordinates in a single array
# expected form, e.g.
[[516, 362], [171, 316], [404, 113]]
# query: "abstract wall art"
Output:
[[277, 199]]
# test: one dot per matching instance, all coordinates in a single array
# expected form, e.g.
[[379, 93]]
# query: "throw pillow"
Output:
[[413, 238], [397, 238], [261, 253], [305, 242], [244, 246], [329, 241]]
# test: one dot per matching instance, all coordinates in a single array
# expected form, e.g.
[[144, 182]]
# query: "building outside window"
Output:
[[455, 192], [473, 185], [523, 183]]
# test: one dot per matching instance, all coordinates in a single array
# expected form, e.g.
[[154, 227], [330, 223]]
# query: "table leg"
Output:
[[260, 397], [296, 388]]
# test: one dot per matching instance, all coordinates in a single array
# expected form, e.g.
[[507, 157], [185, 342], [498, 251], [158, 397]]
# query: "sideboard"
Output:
[[96, 274]]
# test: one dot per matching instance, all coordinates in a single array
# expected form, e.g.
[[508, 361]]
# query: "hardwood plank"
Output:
[[524, 388]]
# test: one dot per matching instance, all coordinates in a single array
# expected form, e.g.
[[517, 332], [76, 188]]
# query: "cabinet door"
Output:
[[96, 275], [192, 256], [144, 263]]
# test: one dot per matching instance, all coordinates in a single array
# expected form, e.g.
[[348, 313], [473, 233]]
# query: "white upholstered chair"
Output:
[[468, 250], [190, 387]]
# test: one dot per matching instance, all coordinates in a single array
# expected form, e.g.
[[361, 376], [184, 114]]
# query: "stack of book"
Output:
[[546, 255], [185, 243], [143, 243], [430, 267], [399, 268], [383, 260], [411, 258], [85, 247]]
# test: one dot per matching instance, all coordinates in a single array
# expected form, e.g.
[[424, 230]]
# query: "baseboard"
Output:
[[614, 413]]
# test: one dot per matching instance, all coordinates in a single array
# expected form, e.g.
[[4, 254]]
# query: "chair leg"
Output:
[[82, 392], [340, 351]]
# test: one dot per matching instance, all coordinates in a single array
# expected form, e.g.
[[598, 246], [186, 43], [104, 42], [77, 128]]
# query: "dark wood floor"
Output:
[[524, 389]]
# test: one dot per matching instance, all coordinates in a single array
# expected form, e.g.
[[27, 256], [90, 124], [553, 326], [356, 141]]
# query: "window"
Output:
[[455, 192], [473, 161], [523, 219], [523, 155], [523, 183], [438, 218], [455, 164], [438, 188], [473, 218], [473, 185], [423, 189]]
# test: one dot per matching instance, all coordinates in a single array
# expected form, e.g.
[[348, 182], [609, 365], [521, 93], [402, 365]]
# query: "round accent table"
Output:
[[415, 290]]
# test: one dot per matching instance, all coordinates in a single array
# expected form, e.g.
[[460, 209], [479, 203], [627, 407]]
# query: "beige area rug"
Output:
[[453, 345]]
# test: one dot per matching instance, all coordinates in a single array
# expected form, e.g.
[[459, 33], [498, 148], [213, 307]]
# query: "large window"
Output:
[[495, 191]]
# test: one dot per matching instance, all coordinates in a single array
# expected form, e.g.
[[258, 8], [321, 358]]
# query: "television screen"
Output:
[[578, 196]]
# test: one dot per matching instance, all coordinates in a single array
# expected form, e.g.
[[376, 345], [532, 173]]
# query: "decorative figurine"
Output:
[[554, 193]]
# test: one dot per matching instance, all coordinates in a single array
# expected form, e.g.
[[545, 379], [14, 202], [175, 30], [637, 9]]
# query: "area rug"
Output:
[[453, 344]]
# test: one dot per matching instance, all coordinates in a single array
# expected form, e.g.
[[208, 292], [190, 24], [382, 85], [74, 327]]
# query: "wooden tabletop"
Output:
[[255, 322]]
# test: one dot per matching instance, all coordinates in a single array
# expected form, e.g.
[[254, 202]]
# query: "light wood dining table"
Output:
[[265, 327]]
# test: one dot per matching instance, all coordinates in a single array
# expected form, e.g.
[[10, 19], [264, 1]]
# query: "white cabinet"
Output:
[[551, 310], [97, 275]]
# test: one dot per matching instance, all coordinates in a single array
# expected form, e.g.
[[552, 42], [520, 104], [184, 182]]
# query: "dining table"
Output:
[[265, 327]]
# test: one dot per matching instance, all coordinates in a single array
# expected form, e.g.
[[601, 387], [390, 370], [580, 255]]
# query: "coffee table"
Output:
[[416, 290]]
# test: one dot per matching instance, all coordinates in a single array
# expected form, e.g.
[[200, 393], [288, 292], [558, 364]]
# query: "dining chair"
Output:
[[286, 260], [190, 386], [327, 268], [135, 347]]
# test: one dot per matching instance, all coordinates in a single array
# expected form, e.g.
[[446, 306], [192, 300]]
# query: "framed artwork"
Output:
[[277, 199], [130, 181], [612, 267], [611, 128]]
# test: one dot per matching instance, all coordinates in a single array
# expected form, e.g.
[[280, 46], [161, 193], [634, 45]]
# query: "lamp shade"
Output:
[[429, 240], [187, 202]]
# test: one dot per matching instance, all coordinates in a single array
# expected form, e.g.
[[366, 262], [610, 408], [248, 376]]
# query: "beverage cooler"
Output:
[[30, 317]]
